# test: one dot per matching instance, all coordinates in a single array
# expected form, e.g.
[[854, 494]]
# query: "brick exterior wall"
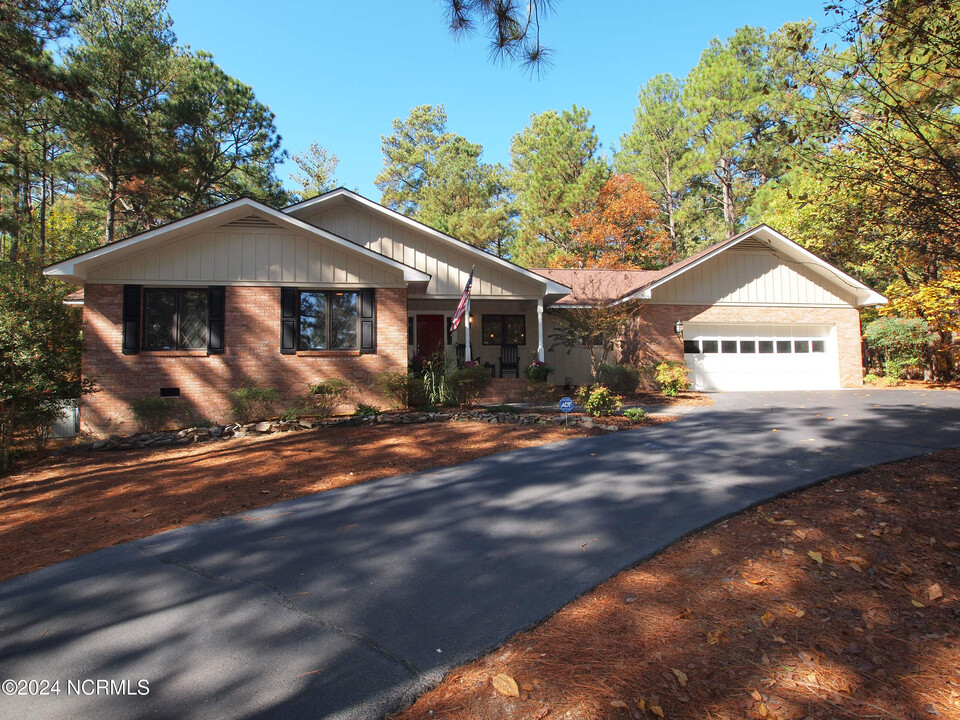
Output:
[[251, 356], [652, 337]]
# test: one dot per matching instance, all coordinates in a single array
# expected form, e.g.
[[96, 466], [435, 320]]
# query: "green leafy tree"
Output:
[[224, 142], [39, 352], [125, 57], [437, 177], [555, 174], [656, 150], [317, 170], [26, 26], [734, 98]]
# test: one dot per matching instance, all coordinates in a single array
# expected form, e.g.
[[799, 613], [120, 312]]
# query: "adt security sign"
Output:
[[566, 405]]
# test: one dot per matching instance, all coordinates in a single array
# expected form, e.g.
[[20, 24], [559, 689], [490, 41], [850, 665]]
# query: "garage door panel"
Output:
[[761, 357]]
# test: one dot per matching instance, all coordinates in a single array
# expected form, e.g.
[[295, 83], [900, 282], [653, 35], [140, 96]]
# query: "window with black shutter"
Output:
[[328, 320]]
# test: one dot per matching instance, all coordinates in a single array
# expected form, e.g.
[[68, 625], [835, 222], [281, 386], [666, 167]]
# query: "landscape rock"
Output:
[[262, 427]]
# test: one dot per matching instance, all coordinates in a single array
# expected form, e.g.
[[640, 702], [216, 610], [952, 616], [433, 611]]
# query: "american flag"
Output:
[[458, 316]]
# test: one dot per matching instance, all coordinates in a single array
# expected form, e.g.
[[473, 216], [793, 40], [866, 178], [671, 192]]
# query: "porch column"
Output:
[[467, 355], [540, 329]]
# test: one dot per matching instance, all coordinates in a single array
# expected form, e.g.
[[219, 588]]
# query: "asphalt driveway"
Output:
[[349, 603]]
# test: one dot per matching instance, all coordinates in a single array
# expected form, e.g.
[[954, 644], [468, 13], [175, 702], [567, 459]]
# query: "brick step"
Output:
[[503, 390]]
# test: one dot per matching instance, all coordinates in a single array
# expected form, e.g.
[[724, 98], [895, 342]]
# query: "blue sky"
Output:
[[338, 72]]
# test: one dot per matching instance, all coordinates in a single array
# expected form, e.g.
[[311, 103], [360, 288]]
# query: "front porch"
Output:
[[505, 335]]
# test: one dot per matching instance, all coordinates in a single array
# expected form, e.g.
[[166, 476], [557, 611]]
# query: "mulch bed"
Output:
[[69, 505], [840, 601], [688, 398]]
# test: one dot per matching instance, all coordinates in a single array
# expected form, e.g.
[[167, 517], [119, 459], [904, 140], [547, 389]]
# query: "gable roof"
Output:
[[623, 285], [553, 287], [589, 286], [76, 268]]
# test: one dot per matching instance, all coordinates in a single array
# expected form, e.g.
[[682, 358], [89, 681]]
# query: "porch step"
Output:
[[503, 390]]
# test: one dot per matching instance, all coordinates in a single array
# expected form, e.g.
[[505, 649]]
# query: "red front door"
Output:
[[430, 332]]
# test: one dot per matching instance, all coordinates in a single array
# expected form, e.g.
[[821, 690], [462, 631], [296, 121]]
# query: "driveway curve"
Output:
[[349, 603]]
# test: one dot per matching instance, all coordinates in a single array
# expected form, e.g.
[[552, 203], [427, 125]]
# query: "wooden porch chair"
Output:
[[509, 360]]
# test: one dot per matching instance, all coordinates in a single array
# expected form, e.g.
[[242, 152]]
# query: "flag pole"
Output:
[[467, 354]]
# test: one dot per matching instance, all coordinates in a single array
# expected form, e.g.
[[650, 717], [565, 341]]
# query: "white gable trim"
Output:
[[75, 269], [552, 288], [865, 296]]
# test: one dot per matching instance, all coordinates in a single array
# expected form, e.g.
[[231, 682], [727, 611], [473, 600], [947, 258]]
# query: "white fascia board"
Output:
[[73, 269], [552, 288], [865, 296]]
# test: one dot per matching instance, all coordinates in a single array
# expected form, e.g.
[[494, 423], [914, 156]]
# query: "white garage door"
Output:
[[761, 357]]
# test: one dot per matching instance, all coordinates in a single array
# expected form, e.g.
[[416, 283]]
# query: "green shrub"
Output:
[[899, 341], [252, 403], [619, 378], [154, 413], [870, 379], [395, 385], [889, 381], [416, 392], [435, 385], [597, 400], [469, 382], [673, 377], [537, 371], [364, 410], [634, 413], [327, 395]]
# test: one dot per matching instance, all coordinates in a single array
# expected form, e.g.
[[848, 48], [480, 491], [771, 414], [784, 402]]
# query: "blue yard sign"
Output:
[[566, 404]]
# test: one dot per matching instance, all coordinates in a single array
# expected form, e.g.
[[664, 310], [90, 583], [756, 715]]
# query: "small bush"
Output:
[[870, 379], [252, 403], [469, 382], [154, 413], [540, 393], [327, 395], [416, 392], [537, 371], [394, 385], [673, 377], [619, 378], [634, 413], [597, 400], [889, 381], [364, 410]]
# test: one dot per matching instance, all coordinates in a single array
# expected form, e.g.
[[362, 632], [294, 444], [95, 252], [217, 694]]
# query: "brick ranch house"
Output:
[[340, 286]]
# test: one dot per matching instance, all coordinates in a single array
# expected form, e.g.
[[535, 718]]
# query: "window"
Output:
[[748, 346], [818, 346], [504, 329], [175, 319], [801, 346], [710, 346], [691, 346], [328, 320], [728, 346], [765, 347], [784, 346]]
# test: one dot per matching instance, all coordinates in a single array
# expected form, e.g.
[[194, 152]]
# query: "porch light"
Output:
[[678, 329]]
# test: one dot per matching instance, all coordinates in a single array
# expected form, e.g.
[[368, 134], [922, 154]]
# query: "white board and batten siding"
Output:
[[251, 252], [447, 265], [751, 277]]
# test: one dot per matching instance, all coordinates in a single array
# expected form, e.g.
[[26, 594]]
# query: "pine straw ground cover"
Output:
[[840, 601], [70, 505]]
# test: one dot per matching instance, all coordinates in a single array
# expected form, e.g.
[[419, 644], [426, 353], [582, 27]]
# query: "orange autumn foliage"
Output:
[[620, 230]]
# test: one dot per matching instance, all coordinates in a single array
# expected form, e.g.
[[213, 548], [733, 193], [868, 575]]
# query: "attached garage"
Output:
[[753, 312], [761, 357]]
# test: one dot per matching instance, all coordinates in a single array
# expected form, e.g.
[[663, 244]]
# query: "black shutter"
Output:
[[368, 321], [215, 315], [289, 316], [131, 319]]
